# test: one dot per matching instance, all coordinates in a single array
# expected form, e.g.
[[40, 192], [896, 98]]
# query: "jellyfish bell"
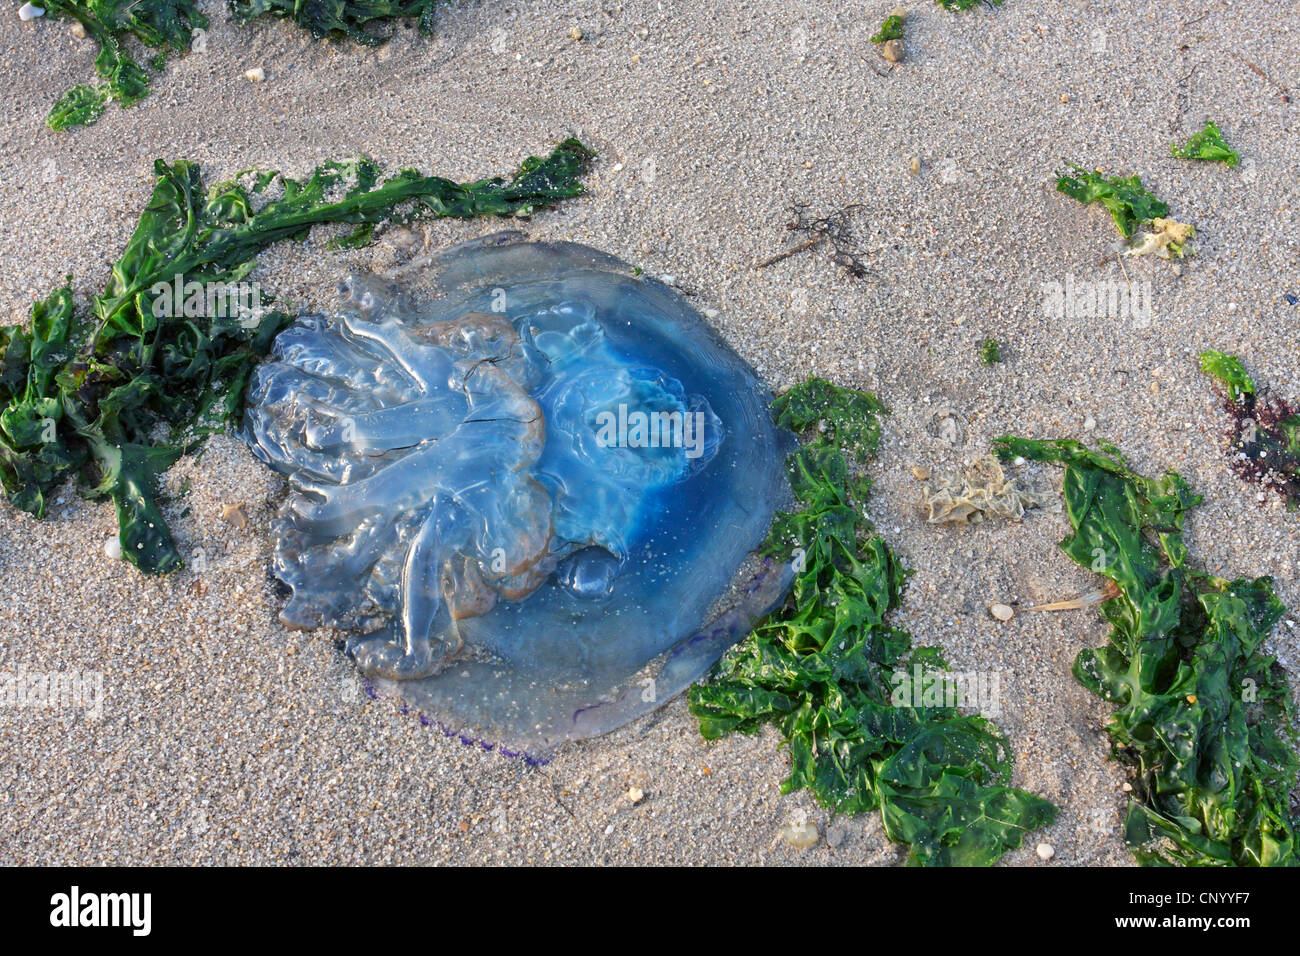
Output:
[[527, 483]]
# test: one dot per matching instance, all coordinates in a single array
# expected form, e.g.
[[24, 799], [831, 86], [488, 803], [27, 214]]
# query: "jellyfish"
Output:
[[525, 482]]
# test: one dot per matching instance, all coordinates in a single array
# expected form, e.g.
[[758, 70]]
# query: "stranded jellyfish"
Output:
[[526, 483]]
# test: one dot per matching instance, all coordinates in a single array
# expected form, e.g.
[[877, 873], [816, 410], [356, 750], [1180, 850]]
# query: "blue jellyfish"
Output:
[[529, 490]]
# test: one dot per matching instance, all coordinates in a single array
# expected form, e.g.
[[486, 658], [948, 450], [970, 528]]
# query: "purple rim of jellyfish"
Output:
[[451, 733]]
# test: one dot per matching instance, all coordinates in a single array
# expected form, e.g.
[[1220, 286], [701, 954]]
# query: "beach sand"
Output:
[[225, 738]]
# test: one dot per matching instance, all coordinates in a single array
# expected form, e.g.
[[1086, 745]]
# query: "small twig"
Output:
[[793, 250], [1111, 590], [1278, 88], [867, 59], [836, 227], [1124, 269]]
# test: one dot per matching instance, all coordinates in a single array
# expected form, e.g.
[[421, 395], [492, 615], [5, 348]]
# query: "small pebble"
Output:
[[635, 795], [1045, 851], [1089, 423], [1002, 612], [800, 835], [113, 547], [835, 836], [78, 30], [255, 75], [29, 11], [1128, 787], [235, 515]]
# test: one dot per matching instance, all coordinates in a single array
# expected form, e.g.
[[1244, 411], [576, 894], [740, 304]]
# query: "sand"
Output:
[[225, 738]]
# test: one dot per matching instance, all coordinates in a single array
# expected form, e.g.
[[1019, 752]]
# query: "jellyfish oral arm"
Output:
[[415, 650], [428, 368]]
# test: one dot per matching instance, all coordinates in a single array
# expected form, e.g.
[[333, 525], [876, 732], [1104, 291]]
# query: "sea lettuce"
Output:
[[1125, 198], [163, 25], [1207, 145], [1203, 714], [340, 18], [825, 668], [966, 4], [891, 28], [168, 27]]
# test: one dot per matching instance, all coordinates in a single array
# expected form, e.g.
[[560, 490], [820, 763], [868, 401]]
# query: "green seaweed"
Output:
[[1125, 198], [162, 25], [990, 352], [967, 4], [340, 18], [80, 106], [168, 26], [1229, 372], [848, 419], [90, 391], [826, 669], [1203, 715], [1207, 145], [891, 28]]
